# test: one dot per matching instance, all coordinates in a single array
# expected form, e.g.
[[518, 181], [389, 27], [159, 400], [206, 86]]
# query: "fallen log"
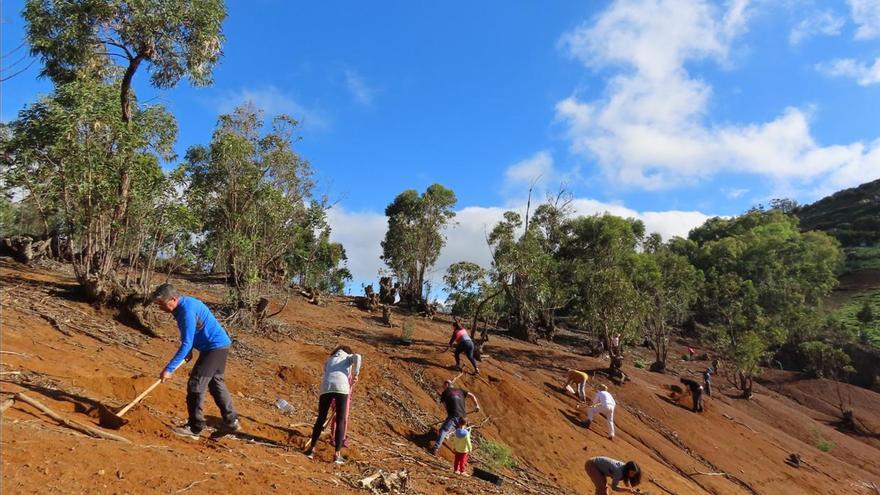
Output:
[[14, 353], [368, 481], [95, 432]]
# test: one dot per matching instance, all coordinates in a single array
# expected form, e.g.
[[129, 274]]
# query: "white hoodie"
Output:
[[336, 372], [604, 399]]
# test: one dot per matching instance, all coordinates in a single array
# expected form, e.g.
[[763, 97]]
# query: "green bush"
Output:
[[639, 364], [494, 455], [822, 443], [406, 332], [823, 359], [855, 317]]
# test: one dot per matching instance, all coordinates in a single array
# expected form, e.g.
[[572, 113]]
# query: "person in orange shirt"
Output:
[[578, 379]]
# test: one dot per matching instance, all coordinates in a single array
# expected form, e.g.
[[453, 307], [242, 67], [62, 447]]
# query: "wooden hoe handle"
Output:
[[138, 398]]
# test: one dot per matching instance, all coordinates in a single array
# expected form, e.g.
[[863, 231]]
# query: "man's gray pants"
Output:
[[207, 374]]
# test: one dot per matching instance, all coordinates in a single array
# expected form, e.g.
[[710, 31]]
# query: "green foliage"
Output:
[[415, 237], [821, 442], [249, 188], [859, 316], [862, 258], [668, 285], [494, 455], [466, 283], [315, 261], [866, 314], [528, 268], [601, 261], [746, 354], [86, 39], [763, 277], [852, 216], [824, 360], [9, 217], [406, 331], [77, 160]]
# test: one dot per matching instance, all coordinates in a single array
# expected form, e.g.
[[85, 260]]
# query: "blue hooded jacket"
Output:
[[198, 329]]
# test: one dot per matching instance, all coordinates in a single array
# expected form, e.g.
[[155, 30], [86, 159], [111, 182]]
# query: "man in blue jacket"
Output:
[[198, 330]]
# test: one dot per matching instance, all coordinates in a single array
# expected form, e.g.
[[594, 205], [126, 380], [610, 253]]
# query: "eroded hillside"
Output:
[[70, 356]]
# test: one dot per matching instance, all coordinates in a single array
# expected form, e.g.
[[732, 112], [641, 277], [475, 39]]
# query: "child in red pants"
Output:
[[461, 445]]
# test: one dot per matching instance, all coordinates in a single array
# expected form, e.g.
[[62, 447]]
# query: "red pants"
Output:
[[460, 462]]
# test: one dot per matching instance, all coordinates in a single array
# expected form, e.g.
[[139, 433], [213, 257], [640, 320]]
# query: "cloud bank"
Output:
[[650, 129]]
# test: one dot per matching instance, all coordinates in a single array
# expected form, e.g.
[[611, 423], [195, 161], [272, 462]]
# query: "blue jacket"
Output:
[[198, 329]]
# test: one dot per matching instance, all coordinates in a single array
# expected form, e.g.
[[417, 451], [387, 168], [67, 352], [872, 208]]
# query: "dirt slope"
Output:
[[394, 406]]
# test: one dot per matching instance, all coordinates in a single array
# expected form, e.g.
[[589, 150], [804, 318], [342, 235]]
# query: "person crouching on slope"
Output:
[[604, 404], [578, 378], [461, 445], [463, 343], [599, 469], [696, 393], [453, 398], [335, 388], [198, 330]]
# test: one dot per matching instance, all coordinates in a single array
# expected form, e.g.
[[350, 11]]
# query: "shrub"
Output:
[[823, 359], [495, 455], [406, 332], [822, 443], [639, 364]]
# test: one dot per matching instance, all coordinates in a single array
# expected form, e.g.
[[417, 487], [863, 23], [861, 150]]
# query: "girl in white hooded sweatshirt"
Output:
[[341, 371]]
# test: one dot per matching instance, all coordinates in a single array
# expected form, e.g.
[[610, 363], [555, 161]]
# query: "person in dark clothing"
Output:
[[198, 330], [707, 381], [696, 393], [463, 343], [453, 399]]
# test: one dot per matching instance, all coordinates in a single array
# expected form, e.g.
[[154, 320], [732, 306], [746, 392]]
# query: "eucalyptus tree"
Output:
[[113, 38], [415, 237], [70, 151], [250, 189]]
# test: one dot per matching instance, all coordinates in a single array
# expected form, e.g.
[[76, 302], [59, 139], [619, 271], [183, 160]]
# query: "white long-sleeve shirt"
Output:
[[336, 372], [604, 399]]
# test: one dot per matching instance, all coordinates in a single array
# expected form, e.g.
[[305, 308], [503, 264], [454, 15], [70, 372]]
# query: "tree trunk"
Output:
[[125, 87], [524, 331], [480, 307]]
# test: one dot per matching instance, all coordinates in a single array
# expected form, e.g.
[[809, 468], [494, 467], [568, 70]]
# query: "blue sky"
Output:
[[669, 110]]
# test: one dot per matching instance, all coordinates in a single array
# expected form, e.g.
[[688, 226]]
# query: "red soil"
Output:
[[520, 389]]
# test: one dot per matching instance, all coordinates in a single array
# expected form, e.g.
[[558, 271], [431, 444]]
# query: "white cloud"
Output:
[[538, 167], [358, 88], [650, 129], [864, 74], [866, 15], [361, 233], [734, 193], [820, 23], [273, 101]]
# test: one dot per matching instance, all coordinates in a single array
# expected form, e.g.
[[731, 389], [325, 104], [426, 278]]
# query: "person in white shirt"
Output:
[[341, 371], [603, 403]]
